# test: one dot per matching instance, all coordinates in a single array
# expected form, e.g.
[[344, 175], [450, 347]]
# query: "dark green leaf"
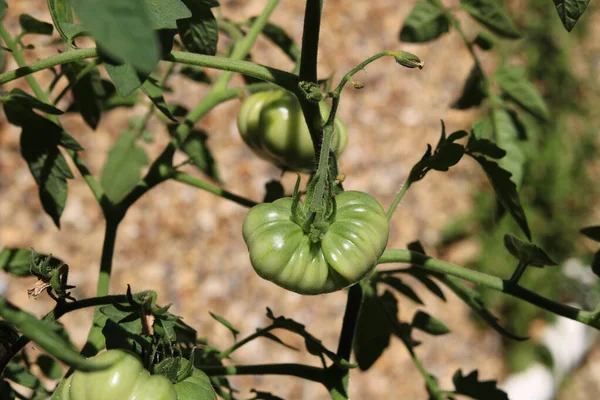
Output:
[[402, 288], [471, 386], [593, 232], [195, 73], [280, 38], [474, 300], [484, 147], [416, 247], [164, 14], [274, 190], [30, 24], [264, 396], [3, 7], [6, 391], [88, 90], [226, 324], [473, 92], [123, 29], [49, 366], [425, 22], [152, 89], [17, 261], [274, 338], [491, 14], [373, 330], [50, 337], [569, 11], [195, 147], [425, 280], [526, 252], [484, 41], [119, 338], [506, 191], [122, 170], [19, 374], [199, 33], [596, 263], [26, 100], [429, 324], [514, 83]]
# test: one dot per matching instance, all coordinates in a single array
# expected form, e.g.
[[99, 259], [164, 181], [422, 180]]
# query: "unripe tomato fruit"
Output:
[[281, 252], [127, 379], [273, 126]]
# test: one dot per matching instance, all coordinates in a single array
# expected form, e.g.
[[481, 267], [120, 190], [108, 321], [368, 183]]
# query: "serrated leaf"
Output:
[[491, 14], [122, 170], [471, 386], [373, 330], [226, 324], [473, 299], [17, 261], [88, 90], [429, 324], [526, 252], [123, 29], [569, 11], [473, 92], [155, 93], [49, 336], [514, 83], [402, 288], [195, 147], [30, 24], [425, 22], [593, 232], [199, 33], [164, 14], [49, 366], [506, 191]]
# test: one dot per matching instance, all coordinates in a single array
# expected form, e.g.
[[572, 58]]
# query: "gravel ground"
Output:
[[186, 244]]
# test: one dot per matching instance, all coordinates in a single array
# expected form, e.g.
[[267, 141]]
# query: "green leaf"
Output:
[[569, 11], [421, 275], [473, 92], [514, 83], [62, 16], [527, 253], [425, 22], [199, 33], [506, 191], [25, 100], [484, 147], [471, 386], [429, 324], [21, 375], [195, 73], [474, 300], [593, 232], [30, 24], [402, 288], [122, 170], [508, 139], [88, 90], [123, 29], [155, 93], [125, 78], [195, 147], [49, 366], [50, 337], [484, 41], [491, 14], [3, 7], [226, 324], [164, 14], [373, 330], [17, 261]]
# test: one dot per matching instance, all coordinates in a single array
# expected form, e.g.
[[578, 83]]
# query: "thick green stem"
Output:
[[211, 188], [492, 282]]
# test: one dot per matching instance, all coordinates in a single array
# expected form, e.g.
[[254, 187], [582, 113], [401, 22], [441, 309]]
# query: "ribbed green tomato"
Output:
[[273, 126], [281, 252], [128, 380]]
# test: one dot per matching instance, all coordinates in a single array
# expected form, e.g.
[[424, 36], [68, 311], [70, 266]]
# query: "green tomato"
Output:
[[281, 252], [128, 380], [273, 126]]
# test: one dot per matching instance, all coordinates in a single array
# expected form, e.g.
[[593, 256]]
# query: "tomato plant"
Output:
[[321, 239], [273, 126]]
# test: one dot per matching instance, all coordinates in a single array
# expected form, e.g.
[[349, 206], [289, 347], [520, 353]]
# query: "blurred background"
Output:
[[187, 245]]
